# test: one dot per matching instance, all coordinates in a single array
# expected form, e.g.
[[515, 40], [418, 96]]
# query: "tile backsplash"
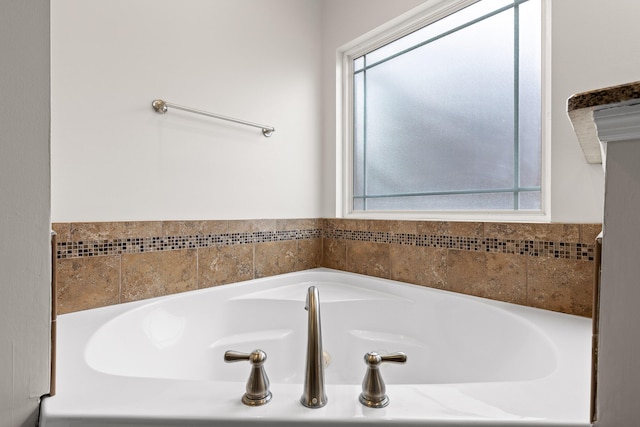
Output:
[[548, 266]]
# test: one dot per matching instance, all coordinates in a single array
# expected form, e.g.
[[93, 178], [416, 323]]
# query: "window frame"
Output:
[[413, 20]]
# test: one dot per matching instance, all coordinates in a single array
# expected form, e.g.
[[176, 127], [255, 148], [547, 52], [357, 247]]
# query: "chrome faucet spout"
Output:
[[313, 395]]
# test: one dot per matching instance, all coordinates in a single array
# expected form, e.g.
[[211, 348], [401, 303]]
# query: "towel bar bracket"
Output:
[[159, 106]]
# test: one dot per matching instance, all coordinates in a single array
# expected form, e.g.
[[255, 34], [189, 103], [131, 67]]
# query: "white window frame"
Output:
[[419, 17]]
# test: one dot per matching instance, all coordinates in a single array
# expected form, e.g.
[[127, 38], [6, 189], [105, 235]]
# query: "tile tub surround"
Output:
[[108, 263], [548, 266]]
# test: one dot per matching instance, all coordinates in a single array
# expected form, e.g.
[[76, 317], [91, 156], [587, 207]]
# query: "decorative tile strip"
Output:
[[169, 243], [575, 251], [403, 239]]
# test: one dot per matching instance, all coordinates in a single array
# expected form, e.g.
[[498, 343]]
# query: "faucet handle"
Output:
[[398, 357], [257, 390], [373, 389]]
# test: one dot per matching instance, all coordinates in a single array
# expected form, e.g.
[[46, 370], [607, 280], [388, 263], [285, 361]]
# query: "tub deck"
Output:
[[471, 361]]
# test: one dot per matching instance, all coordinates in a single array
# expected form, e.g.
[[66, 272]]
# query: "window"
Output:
[[448, 116]]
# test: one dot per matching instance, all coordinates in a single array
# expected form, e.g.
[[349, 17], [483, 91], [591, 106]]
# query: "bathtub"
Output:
[[470, 361]]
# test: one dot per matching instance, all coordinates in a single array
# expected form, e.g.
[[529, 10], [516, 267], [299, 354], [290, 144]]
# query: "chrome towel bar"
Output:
[[161, 107]]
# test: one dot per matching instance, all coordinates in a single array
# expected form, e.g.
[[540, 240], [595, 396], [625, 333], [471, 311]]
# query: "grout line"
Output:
[[197, 268], [120, 279], [253, 256]]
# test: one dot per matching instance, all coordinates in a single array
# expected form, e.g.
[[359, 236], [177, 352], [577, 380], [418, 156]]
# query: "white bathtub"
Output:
[[471, 361]]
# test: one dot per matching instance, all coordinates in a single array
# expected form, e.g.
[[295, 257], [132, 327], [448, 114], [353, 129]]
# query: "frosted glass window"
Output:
[[448, 117]]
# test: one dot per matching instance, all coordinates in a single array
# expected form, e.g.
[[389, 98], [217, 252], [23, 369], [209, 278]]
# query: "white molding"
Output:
[[620, 123], [462, 216], [429, 12]]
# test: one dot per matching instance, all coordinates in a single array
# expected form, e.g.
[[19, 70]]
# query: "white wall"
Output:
[[272, 62], [113, 158], [594, 46], [24, 210]]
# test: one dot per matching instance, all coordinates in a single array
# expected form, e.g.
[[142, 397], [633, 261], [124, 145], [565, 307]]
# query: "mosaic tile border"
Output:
[[168, 243], [534, 248]]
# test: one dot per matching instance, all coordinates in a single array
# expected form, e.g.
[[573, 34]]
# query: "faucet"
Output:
[[313, 395]]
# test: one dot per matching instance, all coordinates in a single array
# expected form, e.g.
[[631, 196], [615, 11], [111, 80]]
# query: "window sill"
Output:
[[476, 216]]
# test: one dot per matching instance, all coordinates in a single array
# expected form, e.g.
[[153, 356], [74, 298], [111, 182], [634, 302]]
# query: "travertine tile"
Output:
[[194, 228], [506, 278], [220, 265], [368, 258], [309, 254], [334, 254], [466, 229], [501, 277], [83, 231], [298, 224], [433, 228], [403, 227], [393, 226], [419, 265], [589, 232], [281, 257], [467, 272], [569, 233], [354, 224], [63, 230], [448, 228], [374, 225], [273, 258], [154, 274], [89, 282], [252, 225], [331, 224], [561, 285]]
